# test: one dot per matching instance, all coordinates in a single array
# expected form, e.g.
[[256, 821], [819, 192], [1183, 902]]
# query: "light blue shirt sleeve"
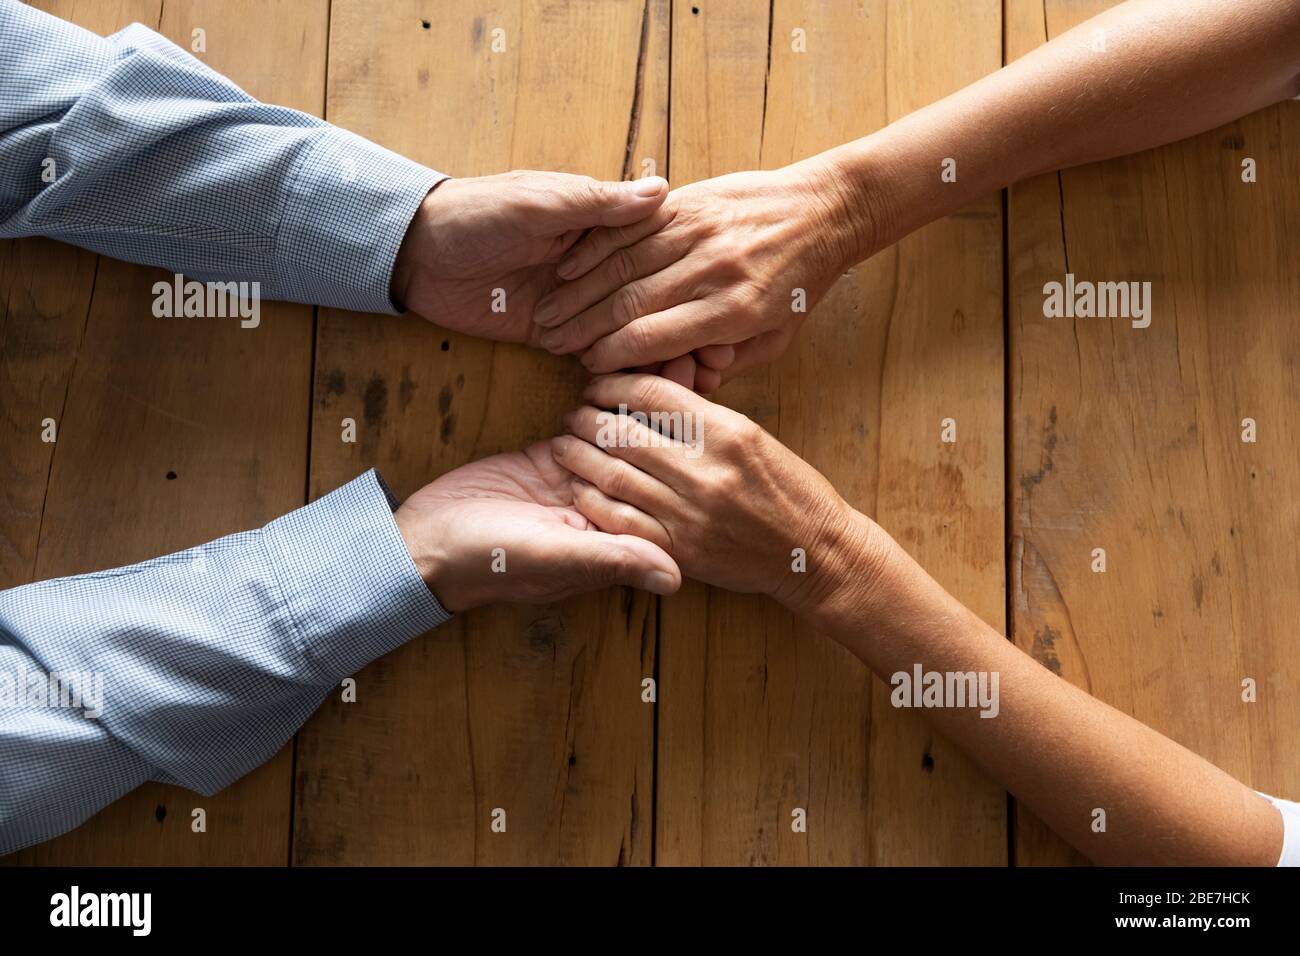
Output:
[[196, 667], [130, 146]]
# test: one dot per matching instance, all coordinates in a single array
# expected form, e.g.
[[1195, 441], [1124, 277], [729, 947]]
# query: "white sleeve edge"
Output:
[[1290, 830]]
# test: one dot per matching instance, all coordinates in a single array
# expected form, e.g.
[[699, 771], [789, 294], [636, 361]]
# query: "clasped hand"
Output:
[[693, 285]]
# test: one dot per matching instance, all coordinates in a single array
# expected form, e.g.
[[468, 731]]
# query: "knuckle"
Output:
[[738, 433], [636, 339], [590, 192], [622, 265], [627, 305], [646, 392], [616, 482], [713, 323], [623, 235], [723, 485], [616, 564]]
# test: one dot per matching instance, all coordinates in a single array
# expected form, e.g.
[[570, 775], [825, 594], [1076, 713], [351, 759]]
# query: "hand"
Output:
[[728, 501], [471, 237], [718, 265], [520, 503]]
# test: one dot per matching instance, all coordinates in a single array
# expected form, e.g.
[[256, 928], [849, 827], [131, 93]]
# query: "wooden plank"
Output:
[[536, 711], [760, 715], [1129, 439], [222, 409], [45, 295]]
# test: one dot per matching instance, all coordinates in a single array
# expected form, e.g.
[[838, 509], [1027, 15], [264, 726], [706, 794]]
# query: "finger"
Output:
[[615, 477], [715, 356], [617, 517], [646, 394], [624, 266], [565, 242], [579, 202], [687, 372], [625, 304], [683, 370], [707, 380], [758, 350], [597, 246], [619, 559], [624, 438], [655, 338]]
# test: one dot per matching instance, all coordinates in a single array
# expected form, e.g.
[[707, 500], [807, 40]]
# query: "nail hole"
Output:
[[446, 346], [171, 476], [572, 759], [425, 24], [927, 763], [695, 10], [160, 814]]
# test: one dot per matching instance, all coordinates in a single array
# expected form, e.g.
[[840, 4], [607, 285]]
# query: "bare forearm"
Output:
[[1142, 74], [1062, 752]]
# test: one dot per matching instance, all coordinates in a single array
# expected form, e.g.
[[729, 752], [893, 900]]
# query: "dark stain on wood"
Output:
[[376, 401], [406, 389], [1029, 482], [336, 383], [1044, 649]]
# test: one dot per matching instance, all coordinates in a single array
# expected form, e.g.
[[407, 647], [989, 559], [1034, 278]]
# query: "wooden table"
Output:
[[1071, 436]]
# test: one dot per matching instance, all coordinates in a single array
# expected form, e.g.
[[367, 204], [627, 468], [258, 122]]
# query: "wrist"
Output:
[[433, 563], [847, 565], [414, 254], [852, 202], [399, 288]]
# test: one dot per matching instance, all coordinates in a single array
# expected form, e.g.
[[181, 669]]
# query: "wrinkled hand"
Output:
[[520, 503], [729, 502], [717, 266], [473, 236]]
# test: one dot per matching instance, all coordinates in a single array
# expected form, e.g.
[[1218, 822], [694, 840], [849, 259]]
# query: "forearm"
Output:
[[1062, 752], [131, 147], [196, 667], [1142, 74]]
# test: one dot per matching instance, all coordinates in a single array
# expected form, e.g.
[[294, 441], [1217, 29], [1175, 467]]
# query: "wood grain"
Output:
[[532, 710], [1129, 439], [760, 715], [1119, 438], [173, 432]]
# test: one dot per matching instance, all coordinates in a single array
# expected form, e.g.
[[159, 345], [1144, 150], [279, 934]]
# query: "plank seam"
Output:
[[63, 411]]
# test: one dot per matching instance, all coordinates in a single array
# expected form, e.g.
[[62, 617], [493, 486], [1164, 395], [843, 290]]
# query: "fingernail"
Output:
[[660, 582], [552, 340], [547, 311], [650, 186], [567, 268], [588, 360]]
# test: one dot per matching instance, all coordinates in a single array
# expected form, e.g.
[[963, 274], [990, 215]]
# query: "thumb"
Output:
[[584, 203], [625, 559], [758, 350]]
